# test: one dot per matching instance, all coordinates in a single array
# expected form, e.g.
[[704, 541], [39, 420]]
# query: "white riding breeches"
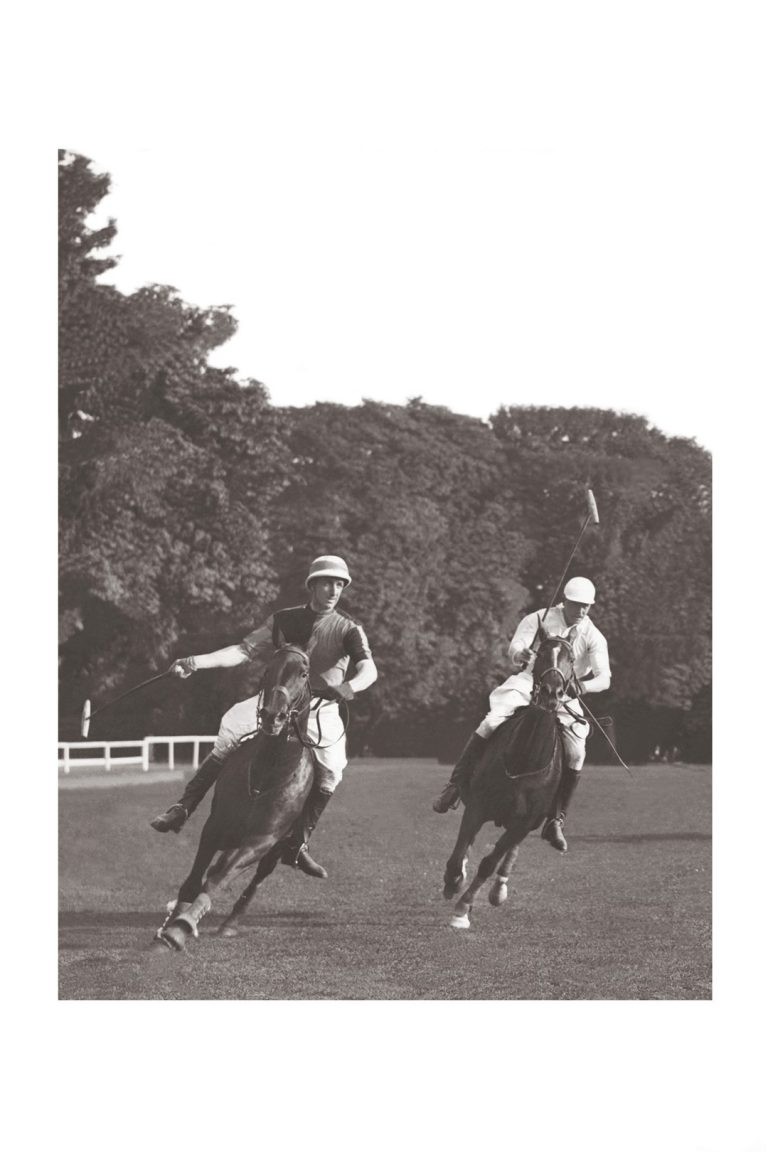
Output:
[[515, 693], [324, 725]]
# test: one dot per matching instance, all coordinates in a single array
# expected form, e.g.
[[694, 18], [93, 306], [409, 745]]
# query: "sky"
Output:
[[548, 204], [471, 277]]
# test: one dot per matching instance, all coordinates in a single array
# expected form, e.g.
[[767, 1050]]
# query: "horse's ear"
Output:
[[542, 634]]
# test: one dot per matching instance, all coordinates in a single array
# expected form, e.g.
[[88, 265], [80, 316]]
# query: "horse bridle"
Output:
[[302, 706], [566, 680]]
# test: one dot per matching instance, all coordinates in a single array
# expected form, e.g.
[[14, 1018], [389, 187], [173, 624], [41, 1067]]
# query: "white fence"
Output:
[[111, 752]]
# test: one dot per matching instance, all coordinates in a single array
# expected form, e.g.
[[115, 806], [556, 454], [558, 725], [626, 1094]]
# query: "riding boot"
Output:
[[295, 850], [462, 773], [178, 814], [552, 831]]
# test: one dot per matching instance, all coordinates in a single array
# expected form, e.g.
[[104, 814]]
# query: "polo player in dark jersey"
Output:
[[331, 639]]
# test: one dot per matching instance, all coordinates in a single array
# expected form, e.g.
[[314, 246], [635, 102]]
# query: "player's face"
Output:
[[325, 593], [574, 611]]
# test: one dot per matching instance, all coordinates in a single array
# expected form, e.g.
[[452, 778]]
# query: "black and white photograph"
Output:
[[395, 346], [357, 656]]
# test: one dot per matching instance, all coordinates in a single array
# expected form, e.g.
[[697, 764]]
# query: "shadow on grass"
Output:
[[90, 920], [642, 838]]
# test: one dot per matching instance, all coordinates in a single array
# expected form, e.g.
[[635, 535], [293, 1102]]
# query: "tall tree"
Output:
[[413, 495], [163, 542]]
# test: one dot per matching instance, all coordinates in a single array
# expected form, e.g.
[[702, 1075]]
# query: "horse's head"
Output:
[[285, 687], [552, 672]]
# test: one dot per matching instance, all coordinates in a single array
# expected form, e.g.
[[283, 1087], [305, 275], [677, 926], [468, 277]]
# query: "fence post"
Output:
[[107, 758], [145, 754], [196, 754], [66, 759], [171, 761]]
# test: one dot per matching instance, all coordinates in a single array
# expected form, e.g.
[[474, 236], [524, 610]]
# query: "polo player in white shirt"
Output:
[[570, 619]]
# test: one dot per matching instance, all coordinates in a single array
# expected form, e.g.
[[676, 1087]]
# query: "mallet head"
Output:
[[85, 720], [594, 518]]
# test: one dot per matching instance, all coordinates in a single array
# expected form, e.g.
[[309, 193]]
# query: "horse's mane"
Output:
[[527, 740], [520, 770]]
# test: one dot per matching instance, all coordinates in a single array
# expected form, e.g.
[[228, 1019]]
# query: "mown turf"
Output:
[[625, 915]]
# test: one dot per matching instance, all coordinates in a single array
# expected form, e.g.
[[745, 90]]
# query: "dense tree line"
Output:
[[190, 507]]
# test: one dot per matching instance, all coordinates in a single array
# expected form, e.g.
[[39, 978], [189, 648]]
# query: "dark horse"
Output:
[[514, 783], [258, 797]]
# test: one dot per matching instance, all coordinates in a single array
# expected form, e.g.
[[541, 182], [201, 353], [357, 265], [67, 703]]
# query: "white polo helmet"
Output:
[[581, 590], [328, 566]]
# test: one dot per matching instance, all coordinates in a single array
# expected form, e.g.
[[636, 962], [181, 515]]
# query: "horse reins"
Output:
[[566, 681], [308, 743], [305, 705]]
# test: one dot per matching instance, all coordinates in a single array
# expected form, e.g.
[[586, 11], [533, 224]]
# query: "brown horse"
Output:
[[514, 783], [258, 798]]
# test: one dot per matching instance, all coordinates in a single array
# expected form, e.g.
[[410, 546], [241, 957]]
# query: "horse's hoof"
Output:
[[176, 936], [228, 930], [460, 921], [498, 893], [160, 944]]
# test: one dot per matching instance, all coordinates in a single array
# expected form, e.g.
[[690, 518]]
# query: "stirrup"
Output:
[[552, 832], [300, 858]]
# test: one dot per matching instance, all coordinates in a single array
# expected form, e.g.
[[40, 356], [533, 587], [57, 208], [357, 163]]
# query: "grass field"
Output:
[[624, 915]]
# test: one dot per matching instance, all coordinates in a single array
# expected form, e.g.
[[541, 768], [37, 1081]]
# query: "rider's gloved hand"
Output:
[[339, 692], [184, 668], [523, 659]]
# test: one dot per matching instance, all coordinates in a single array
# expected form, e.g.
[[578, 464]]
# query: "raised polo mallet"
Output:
[[87, 715], [591, 518]]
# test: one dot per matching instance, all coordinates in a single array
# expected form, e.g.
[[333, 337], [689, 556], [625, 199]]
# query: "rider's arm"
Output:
[[231, 657], [520, 645], [256, 647], [358, 649], [599, 663], [259, 645], [365, 675]]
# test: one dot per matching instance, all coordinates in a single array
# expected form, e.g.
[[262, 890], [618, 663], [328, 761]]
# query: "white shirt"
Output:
[[590, 648]]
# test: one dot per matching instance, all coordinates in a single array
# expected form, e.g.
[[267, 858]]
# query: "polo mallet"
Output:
[[600, 728], [87, 715], [591, 518]]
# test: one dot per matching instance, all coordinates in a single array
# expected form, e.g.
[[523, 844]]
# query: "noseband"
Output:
[[565, 680], [303, 700], [302, 705]]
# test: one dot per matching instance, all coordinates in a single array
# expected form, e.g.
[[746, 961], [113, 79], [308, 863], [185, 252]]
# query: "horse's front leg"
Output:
[[189, 889], [456, 865], [228, 867], [266, 867], [486, 868], [498, 893]]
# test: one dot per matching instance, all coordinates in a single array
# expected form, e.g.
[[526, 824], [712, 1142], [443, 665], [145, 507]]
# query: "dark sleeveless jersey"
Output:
[[330, 639]]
